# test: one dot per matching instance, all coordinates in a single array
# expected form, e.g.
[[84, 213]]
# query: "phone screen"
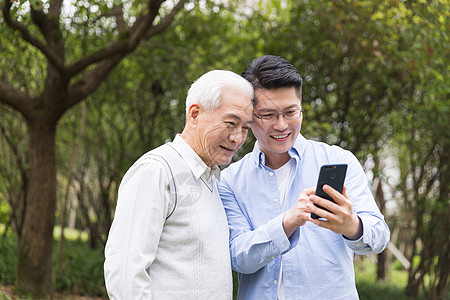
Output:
[[332, 175]]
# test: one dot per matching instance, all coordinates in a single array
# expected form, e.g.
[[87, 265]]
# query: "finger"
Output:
[[306, 193], [321, 212], [309, 191], [344, 192], [323, 202], [338, 197]]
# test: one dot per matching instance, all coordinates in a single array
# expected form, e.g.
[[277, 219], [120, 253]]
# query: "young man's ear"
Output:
[[193, 113]]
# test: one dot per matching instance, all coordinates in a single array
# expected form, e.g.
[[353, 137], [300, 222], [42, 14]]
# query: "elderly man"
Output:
[[169, 237]]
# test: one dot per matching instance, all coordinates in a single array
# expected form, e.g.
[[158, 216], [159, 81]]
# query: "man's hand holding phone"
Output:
[[340, 217], [325, 202], [332, 203]]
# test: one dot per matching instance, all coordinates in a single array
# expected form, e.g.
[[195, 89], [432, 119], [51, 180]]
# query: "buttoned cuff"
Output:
[[278, 236]]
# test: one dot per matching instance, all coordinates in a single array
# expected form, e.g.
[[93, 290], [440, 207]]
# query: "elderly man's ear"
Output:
[[193, 113]]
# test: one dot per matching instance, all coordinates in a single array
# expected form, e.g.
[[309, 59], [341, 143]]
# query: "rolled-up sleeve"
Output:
[[376, 234]]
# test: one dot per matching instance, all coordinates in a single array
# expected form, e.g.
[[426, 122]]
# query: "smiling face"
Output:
[[221, 132], [276, 139]]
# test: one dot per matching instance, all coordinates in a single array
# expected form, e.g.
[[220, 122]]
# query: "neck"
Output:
[[191, 139], [188, 138], [277, 160]]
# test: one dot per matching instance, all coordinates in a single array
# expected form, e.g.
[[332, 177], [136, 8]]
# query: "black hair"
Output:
[[273, 72]]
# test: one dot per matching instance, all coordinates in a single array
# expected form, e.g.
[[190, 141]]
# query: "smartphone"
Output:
[[332, 175]]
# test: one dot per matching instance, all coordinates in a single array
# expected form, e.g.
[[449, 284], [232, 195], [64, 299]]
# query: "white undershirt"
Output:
[[283, 174]]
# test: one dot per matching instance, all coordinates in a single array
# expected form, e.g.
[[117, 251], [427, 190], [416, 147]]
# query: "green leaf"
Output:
[[33, 3]]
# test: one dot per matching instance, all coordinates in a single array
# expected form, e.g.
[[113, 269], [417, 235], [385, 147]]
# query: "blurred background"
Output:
[[86, 87]]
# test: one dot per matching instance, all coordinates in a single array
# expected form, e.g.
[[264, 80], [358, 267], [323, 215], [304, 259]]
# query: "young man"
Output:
[[279, 251], [169, 237]]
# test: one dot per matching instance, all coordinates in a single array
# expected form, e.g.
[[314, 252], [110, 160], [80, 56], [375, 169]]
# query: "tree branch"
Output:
[[80, 65], [143, 23], [138, 32], [91, 80], [16, 99], [122, 46], [117, 12], [27, 36], [106, 59], [166, 21], [55, 8], [45, 25]]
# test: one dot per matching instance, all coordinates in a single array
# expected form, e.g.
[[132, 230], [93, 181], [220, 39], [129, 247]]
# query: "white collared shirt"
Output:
[[182, 257], [195, 163]]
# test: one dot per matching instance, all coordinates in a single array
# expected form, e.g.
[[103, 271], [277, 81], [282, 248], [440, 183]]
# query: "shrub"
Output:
[[82, 267]]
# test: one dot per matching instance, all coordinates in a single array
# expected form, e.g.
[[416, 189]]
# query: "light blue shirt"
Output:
[[317, 263]]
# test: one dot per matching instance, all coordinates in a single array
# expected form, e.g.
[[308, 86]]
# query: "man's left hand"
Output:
[[341, 219]]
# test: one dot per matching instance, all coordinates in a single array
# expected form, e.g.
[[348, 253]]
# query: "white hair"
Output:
[[207, 89]]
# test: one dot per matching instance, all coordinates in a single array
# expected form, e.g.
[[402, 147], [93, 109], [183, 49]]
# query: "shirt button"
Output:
[[275, 282], [275, 200], [271, 173]]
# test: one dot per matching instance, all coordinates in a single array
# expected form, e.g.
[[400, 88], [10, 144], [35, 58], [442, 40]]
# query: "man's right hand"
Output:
[[299, 213]]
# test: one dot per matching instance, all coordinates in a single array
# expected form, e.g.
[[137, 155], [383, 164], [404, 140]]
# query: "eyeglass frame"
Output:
[[277, 116]]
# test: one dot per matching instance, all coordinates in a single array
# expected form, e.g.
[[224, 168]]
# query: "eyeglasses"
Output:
[[271, 118]]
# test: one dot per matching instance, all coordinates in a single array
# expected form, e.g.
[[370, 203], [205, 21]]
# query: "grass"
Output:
[[70, 234], [370, 289]]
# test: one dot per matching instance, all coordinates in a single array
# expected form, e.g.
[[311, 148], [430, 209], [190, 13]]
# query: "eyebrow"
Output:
[[286, 108], [237, 118]]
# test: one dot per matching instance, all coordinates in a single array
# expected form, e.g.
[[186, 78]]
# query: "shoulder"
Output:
[[151, 166], [234, 168], [331, 152], [237, 170], [162, 156]]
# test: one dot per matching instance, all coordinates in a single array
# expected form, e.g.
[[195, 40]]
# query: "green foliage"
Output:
[[374, 291], [392, 288], [26, 73], [82, 270], [375, 79], [347, 71], [13, 167], [4, 212], [8, 258]]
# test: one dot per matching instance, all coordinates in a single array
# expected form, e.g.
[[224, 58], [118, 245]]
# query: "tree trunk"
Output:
[[381, 266], [34, 269], [65, 86], [382, 262]]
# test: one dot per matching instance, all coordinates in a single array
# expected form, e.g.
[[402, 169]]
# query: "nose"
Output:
[[281, 123], [237, 137]]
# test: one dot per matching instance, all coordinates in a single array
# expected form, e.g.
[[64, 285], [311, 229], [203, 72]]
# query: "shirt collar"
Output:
[[194, 162], [296, 151]]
